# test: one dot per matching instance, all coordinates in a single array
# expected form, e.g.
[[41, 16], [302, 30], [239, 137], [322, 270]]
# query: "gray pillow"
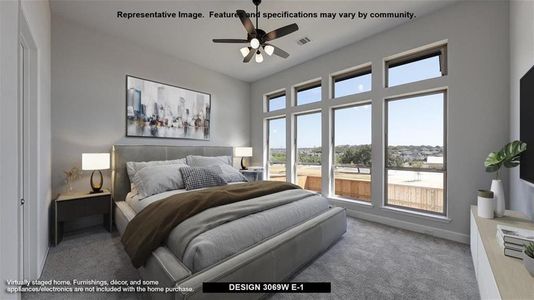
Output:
[[231, 174], [202, 177], [206, 161], [158, 179], [133, 167]]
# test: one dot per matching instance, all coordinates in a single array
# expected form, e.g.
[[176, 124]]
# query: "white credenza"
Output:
[[498, 276]]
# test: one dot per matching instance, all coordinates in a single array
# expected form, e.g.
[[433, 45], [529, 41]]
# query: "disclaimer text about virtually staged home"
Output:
[[152, 286], [354, 15]]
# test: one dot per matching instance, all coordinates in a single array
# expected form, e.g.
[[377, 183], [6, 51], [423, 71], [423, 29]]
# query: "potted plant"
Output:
[[508, 157], [528, 258]]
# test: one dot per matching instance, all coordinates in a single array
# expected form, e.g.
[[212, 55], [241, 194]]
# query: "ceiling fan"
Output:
[[258, 39]]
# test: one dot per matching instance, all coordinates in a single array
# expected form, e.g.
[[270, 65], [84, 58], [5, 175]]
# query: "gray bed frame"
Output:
[[275, 259]]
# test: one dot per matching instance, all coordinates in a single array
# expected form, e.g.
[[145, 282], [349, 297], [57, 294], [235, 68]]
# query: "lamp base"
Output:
[[243, 167], [97, 187]]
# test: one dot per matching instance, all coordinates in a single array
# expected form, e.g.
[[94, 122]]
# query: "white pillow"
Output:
[[206, 161], [231, 174], [158, 179], [133, 167]]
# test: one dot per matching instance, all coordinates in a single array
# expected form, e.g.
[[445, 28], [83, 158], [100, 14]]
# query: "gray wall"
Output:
[[88, 92], [478, 107], [521, 60]]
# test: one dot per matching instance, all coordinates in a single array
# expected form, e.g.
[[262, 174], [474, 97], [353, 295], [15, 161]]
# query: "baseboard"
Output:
[[41, 267], [441, 233]]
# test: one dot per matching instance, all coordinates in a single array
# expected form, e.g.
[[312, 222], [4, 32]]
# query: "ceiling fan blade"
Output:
[[246, 22], [280, 32], [233, 41], [250, 55], [278, 51]]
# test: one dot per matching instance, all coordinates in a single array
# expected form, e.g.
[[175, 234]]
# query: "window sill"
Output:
[[351, 201], [418, 214]]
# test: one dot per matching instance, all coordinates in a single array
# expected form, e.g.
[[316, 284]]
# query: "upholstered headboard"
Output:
[[120, 183]]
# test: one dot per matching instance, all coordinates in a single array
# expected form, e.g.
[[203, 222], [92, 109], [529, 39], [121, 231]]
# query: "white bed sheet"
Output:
[[138, 205]]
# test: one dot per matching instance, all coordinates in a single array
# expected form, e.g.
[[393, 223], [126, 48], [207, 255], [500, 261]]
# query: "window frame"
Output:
[[332, 182], [307, 86], [295, 149], [357, 72], [272, 96], [440, 51], [443, 170], [268, 141]]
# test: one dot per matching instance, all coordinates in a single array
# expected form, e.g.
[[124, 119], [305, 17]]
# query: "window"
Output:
[[427, 64], [308, 93], [276, 101], [351, 83], [416, 152], [308, 151], [352, 152], [276, 145]]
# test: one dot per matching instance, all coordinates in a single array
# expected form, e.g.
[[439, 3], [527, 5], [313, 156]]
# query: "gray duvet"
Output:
[[215, 234]]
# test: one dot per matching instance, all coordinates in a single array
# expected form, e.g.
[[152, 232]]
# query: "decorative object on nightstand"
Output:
[[528, 258], [485, 204], [508, 157], [243, 152], [70, 176], [95, 162], [72, 206], [253, 174]]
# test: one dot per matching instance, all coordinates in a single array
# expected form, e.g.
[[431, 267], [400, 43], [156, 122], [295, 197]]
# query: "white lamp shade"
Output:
[[269, 50], [244, 51], [243, 151], [95, 161]]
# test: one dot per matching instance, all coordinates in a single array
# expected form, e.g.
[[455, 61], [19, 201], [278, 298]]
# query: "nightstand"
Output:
[[72, 206], [253, 174]]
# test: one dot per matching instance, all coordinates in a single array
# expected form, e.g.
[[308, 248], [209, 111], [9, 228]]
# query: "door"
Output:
[[21, 148]]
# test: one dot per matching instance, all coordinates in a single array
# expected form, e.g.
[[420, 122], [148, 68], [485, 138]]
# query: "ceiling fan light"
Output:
[[269, 50], [259, 58], [255, 43], [244, 51]]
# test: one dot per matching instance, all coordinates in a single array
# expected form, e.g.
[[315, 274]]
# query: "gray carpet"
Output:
[[371, 261]]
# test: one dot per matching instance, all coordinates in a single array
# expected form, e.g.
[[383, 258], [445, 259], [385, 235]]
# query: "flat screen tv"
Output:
[[526, 121]]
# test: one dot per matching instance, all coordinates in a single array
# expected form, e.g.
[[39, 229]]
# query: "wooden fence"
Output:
[[424, 198]]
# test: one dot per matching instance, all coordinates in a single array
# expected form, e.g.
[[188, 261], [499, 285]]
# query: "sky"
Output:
[[411, 121]]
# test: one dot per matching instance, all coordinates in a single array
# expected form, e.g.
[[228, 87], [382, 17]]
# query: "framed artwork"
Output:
[[159, 110]]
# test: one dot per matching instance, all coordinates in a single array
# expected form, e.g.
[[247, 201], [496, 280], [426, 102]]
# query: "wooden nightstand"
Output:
[[253, 174], [69, 207]]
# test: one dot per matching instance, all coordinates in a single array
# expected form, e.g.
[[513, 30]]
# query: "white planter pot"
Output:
[[485, 204], [498, 191], [528, 262]]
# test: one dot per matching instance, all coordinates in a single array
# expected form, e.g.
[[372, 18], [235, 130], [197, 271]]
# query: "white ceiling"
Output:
[[190, 39]]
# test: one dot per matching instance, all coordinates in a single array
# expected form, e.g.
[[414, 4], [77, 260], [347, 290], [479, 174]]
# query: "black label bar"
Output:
[[266, 287]]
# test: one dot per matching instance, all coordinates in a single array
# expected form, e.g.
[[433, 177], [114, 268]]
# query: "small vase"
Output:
[[498, 191], [486, 204], [528, 262]]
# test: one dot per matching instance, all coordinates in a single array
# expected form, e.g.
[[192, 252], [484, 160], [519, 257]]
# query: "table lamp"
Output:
[[95, 162], [243, 152]]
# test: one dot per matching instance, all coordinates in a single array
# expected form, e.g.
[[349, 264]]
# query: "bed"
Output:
[[286, 231]]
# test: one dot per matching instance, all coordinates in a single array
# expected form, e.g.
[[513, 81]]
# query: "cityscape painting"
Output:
[[160, 110]]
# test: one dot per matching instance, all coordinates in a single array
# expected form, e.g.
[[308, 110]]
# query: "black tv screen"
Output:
[[526, 121]]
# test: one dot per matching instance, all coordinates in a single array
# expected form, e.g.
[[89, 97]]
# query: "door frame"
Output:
[[30, 133]]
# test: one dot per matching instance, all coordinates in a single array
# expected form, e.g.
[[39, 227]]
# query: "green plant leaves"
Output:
[[529, 250], [509, 156]]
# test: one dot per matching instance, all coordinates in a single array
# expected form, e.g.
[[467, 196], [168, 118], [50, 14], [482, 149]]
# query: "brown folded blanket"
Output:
[[151, 227]]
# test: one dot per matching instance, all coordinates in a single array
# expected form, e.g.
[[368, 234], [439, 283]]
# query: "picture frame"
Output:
[[159, 110]]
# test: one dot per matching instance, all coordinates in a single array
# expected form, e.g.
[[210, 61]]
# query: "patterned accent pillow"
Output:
[[202, 177]]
